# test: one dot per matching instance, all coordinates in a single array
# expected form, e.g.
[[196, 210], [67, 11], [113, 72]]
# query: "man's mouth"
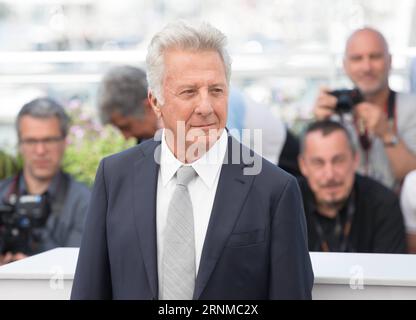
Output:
[[332, 185], [41, 164], [368, 77], [203, 126]]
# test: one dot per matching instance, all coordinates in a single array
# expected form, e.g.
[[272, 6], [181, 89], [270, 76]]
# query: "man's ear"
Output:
[[146, 105], [154, 103]]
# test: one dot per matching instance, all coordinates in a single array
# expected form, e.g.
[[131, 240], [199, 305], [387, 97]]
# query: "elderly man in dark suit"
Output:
[[194, 215]]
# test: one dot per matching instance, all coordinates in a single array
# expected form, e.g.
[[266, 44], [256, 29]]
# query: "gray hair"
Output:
[[122, 90], [44, 108], [181, 35], [326, 127]]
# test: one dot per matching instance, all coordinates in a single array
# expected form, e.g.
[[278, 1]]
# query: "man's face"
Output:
[[195, 93], [124, 124], [42, 146], [328, 164], [367, 62], [131, 126]]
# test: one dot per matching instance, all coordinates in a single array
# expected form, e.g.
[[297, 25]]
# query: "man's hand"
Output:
[[374, 119], [10, 257], [324, 105]]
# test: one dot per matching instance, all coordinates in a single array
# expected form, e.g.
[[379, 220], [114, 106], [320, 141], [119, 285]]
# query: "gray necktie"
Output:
[[178, 262]]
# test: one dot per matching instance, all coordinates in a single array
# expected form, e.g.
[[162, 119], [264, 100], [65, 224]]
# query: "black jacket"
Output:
[[377, 224]]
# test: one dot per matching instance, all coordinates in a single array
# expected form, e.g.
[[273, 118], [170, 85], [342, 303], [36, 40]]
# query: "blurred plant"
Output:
[[88, 143], [9, 165]]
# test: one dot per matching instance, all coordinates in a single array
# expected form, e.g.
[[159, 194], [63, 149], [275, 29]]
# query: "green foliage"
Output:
[[88, 143], [9, 165]]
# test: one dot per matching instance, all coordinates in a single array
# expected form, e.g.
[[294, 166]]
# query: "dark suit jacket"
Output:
[[255, 246]]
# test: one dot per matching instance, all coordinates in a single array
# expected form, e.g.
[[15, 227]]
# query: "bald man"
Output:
[[385, 122]]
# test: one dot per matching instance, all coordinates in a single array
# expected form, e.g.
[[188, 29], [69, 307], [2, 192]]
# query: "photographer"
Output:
[[384, 122], [41, 207]]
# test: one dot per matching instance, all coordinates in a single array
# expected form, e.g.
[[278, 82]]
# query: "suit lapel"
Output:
[[145, 191], [233, 185]]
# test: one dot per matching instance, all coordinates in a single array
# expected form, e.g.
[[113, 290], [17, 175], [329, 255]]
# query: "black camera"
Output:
[[21, 220], [347, 99]]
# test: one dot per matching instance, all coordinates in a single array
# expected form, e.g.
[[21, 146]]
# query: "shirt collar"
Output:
[[52, 188], [207, 167]]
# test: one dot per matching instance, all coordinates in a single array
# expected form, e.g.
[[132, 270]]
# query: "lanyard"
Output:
[[341, 232]]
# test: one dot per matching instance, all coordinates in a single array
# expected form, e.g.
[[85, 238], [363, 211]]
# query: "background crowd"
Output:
[[355, 157]]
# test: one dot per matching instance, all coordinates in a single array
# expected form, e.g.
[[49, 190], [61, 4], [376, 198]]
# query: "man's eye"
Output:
[[339, 160], [188, 92], [376, 56], [217, 91], [317, 163]]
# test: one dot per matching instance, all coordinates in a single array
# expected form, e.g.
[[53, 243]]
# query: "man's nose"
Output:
[[40, 147], [366, 64], [329, 171], [204, 106]]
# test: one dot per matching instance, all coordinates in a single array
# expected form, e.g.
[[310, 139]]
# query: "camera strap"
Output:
[[391, 110], [58, 203], [13, 192], [365, 141]]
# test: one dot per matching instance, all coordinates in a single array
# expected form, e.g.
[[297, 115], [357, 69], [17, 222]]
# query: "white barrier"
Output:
[[364, 276], [49, 275]]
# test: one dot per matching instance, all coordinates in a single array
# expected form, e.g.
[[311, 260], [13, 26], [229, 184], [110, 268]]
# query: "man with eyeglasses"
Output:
[[41, 207]]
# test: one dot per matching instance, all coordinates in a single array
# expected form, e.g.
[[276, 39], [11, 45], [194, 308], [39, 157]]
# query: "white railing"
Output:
[[337, 276]]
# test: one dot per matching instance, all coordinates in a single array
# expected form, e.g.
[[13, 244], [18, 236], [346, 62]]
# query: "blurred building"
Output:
[[282, 50]]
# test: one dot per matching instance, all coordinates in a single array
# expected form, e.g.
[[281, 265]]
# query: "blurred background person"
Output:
[[384, 121], [244, 113], [408, 204], [278, 145], [41, 207], [122, 101], [345, 212]]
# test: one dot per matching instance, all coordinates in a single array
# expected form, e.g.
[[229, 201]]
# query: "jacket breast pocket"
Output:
[[244, 239]]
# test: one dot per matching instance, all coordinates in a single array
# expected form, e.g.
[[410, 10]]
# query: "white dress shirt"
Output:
[[202, 190]]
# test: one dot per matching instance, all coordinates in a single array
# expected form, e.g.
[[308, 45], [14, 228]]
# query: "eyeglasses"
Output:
[[49, 142]]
